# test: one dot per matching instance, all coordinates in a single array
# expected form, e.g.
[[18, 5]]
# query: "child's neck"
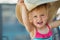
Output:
[[43, 30]]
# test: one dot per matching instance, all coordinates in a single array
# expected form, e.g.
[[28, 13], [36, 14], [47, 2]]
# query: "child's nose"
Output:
[[39, 18]]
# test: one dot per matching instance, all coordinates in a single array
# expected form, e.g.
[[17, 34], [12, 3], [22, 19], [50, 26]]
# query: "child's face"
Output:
[[39, 17]]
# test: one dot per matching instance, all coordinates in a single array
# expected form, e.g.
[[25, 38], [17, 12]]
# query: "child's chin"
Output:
[[40, 26]]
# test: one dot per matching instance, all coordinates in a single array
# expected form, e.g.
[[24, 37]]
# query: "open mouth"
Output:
[[39, 23]]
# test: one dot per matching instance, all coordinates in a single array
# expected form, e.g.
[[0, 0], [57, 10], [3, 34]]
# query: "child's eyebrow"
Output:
[[34, 15]]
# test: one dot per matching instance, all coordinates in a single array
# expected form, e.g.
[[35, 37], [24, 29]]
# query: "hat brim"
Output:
[[31, 4], [18, 13]]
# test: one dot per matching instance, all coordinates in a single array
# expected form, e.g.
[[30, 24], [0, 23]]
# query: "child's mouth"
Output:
[[39, 23]]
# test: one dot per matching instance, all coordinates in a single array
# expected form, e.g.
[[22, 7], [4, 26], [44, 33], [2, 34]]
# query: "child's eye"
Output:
[[42, 15], [35, 16]]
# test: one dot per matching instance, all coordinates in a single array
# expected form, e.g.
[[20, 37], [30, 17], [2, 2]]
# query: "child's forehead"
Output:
[[41, 10], [39, 13]]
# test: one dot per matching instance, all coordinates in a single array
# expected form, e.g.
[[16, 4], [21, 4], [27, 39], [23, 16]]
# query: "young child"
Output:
[[37, 21]]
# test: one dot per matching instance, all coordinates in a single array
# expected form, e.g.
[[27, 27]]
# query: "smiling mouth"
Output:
[[39, 23]]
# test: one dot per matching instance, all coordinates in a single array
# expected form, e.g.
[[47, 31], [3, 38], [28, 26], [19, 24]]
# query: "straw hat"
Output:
[[31, 4]]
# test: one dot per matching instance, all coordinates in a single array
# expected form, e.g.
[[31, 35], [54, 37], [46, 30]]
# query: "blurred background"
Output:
[[10, 28]]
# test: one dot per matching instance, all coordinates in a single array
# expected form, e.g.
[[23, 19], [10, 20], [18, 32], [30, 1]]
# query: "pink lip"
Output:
[[39, 22]]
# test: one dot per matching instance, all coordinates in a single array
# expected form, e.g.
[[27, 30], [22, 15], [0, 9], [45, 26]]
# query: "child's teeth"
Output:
[[39, 22]]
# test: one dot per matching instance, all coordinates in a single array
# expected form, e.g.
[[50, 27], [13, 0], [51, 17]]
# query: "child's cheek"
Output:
[[45, 18]]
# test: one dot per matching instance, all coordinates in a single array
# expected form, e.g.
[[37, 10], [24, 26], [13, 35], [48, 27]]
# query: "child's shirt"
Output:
[[47, 36]]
